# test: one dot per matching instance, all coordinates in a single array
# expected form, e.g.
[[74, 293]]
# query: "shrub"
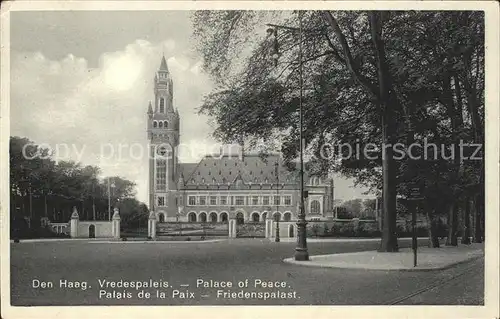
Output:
[[347, 230], [188, 239], [124, 238], [315, 230]]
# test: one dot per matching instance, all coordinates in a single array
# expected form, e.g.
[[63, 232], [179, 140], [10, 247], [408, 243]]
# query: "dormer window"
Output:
[[162, 105]]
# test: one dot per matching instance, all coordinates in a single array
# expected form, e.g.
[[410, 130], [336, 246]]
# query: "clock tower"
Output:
[[163, 136]]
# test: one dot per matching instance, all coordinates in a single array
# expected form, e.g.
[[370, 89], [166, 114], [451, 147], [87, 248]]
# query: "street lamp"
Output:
[[110, 185], [277, 237], [301, 252]]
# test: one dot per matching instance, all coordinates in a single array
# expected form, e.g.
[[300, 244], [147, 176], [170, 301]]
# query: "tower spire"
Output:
[[163, 65], [150, 108]]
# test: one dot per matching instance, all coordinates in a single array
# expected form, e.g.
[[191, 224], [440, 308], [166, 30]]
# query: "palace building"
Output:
[[221, 186]]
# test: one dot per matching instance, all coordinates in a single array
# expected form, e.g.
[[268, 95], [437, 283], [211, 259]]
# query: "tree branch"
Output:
[[349, 61]]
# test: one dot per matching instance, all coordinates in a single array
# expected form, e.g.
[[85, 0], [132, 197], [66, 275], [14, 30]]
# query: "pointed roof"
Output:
[[163, 65], [251, 169], [150, 108]]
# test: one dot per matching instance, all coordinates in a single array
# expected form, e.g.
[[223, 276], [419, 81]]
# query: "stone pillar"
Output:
[[74, 223], [152, 225], [115, 226], [232, 228], [269, 228]]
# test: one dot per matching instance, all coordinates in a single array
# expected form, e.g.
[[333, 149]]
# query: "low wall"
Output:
[[103, 229], [341, 228]]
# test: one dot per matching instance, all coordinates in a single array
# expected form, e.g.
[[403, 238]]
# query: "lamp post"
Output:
[[301, 252], [110, 185], [277, 237]]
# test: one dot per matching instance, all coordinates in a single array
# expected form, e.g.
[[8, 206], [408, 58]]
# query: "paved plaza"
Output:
[[198, 272]]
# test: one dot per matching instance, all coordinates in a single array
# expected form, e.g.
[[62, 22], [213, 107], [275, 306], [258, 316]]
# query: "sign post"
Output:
[[415, 194]]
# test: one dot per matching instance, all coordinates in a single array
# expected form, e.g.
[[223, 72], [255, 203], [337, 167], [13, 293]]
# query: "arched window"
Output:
[[255, 217], [223, 217], [192, 217], [240, 219], [165, 124], [315, 207], [264, 215], [213, 217], [287, 217], [161, 218], [277, 216], [161, 124], [162, 105], [155, 124], [202, 217]]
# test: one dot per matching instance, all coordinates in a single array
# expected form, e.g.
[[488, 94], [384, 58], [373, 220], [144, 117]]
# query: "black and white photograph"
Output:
[[250, 154]]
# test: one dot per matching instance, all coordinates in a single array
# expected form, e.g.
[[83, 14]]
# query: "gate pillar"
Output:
[[115, 226], [232, 228], [74, 223], [152, 225], [269, 228]]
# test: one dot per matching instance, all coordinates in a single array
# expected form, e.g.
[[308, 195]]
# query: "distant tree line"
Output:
[[40, 187]]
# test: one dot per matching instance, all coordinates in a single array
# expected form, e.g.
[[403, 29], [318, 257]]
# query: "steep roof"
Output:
[[249, 169]]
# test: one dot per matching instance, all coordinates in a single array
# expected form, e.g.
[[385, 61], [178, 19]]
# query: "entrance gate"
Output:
[[194, 229], [250, 229]]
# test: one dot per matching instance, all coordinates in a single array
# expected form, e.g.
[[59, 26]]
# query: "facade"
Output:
[[221, 186]]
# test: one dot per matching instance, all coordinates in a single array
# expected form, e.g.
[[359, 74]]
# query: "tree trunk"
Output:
[[466, 223], [477, 220], [451, 240], [433, 231], [383, 95], [388, 104]]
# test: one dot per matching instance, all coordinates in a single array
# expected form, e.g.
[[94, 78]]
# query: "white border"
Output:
[[491, 308]]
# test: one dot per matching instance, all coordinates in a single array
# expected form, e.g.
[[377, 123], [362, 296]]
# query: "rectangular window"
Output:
[[213, 200], [203, 200], [255, 200], [161, 200], [288, 200], [223, 200], [265, 200], [161, 175], [192, 201], [240, 200], [277, 200]]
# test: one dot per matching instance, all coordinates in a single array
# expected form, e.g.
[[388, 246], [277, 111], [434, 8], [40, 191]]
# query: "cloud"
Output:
[[75, 109]]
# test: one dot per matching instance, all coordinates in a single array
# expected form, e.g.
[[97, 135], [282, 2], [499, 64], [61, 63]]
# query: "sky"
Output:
[[81, 82]]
